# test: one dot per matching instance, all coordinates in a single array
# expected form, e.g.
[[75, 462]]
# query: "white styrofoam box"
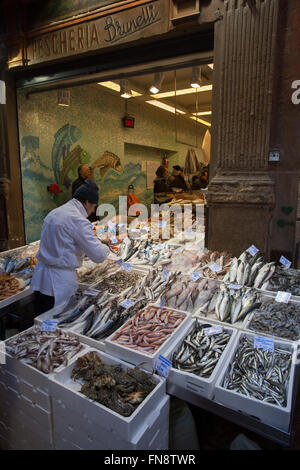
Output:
[[200, 385], [93, 343], [272, 415], [15, 298], [138, 357], [65, 392], [90, 435]]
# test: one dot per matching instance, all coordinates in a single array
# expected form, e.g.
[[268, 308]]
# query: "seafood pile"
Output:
[[143, 252], [259, 374], [233, 305], [117, 282], [90, 275], [44, 350], [148, 329], [277, 318], [199, 353], [18, 266], [9, 286], [248, 270], [286, 280], [184, 261], [211, 260], [191, 295], [119, 390]]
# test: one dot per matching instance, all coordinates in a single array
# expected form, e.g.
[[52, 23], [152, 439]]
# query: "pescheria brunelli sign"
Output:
[[139, 22]]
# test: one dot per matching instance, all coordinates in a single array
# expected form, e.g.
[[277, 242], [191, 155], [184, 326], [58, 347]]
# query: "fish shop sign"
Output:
[[128, 25]]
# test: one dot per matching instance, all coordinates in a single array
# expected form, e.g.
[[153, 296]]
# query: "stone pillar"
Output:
[[241, 194]]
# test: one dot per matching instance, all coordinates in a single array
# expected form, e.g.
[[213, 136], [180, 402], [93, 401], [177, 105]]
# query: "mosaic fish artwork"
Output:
[[107, 161], [66, 136]]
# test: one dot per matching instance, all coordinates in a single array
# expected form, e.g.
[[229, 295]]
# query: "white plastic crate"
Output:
[[66, 395], [15, 298], [273, 415], [88, 434], [202, 386], [138, 357]]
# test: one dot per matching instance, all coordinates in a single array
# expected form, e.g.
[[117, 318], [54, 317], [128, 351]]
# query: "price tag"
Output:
[[252, 250], [146, 228], [163, 366], [262, 342], [159, 246], [283, 297], [49, 325], [179, 250], [285, 262], [162, 303], [126, 241], [164, 274], [215, 267], [114, 240], [91, 293], [189, 231], [126, 303], [213, 330], [126, 267], [235, 286], [195, 276]]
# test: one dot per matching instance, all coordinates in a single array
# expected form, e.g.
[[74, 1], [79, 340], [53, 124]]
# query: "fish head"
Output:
[[75, 133]]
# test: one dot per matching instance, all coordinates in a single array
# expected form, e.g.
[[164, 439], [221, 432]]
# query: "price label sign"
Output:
[[285, 262], [213, 330], [252, 250], [126, 267], [163, 366], [262, 342], [215, 267], [179, 250], [162, 223], [283, 297], [195, 276], [126, 303], [114, 240], [160, 246], [235, 286], [49, 325], [189, 231], [91, 293], [164, 274]]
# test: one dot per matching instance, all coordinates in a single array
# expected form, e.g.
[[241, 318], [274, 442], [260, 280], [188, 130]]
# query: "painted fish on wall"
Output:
[[107, 161], [63, 139]]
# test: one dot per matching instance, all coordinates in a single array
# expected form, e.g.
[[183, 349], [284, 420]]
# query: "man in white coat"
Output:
[[66, 237]]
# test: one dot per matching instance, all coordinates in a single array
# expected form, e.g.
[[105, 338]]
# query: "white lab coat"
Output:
[[66, 237]]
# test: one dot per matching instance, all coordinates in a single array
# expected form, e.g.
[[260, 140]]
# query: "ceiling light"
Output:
[[125, 90], [211, 66], [158, 79], [116, 87], [206, 123], [185, 91], [164, 106], [202, 113], [196, 77]]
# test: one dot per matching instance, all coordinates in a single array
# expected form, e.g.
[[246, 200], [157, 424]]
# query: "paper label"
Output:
[[91, 293], [163, 366], [215, 267], [285, 262], [49, 325], [164, 274], [283, 297], [252, 250], [126, 267], [114, 240], [195, 276], [263, 342], [126, 303], [213, 330], [235, 286]]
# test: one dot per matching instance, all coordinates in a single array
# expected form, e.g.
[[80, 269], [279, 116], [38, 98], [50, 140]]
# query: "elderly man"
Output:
[[84, 172], [66, 237]]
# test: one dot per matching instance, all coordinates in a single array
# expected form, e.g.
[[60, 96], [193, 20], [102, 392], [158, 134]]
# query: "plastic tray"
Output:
[[267, 413], [201, 386]]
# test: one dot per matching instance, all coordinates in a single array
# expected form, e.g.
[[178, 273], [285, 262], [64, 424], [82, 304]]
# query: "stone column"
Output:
[[241, 194]]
